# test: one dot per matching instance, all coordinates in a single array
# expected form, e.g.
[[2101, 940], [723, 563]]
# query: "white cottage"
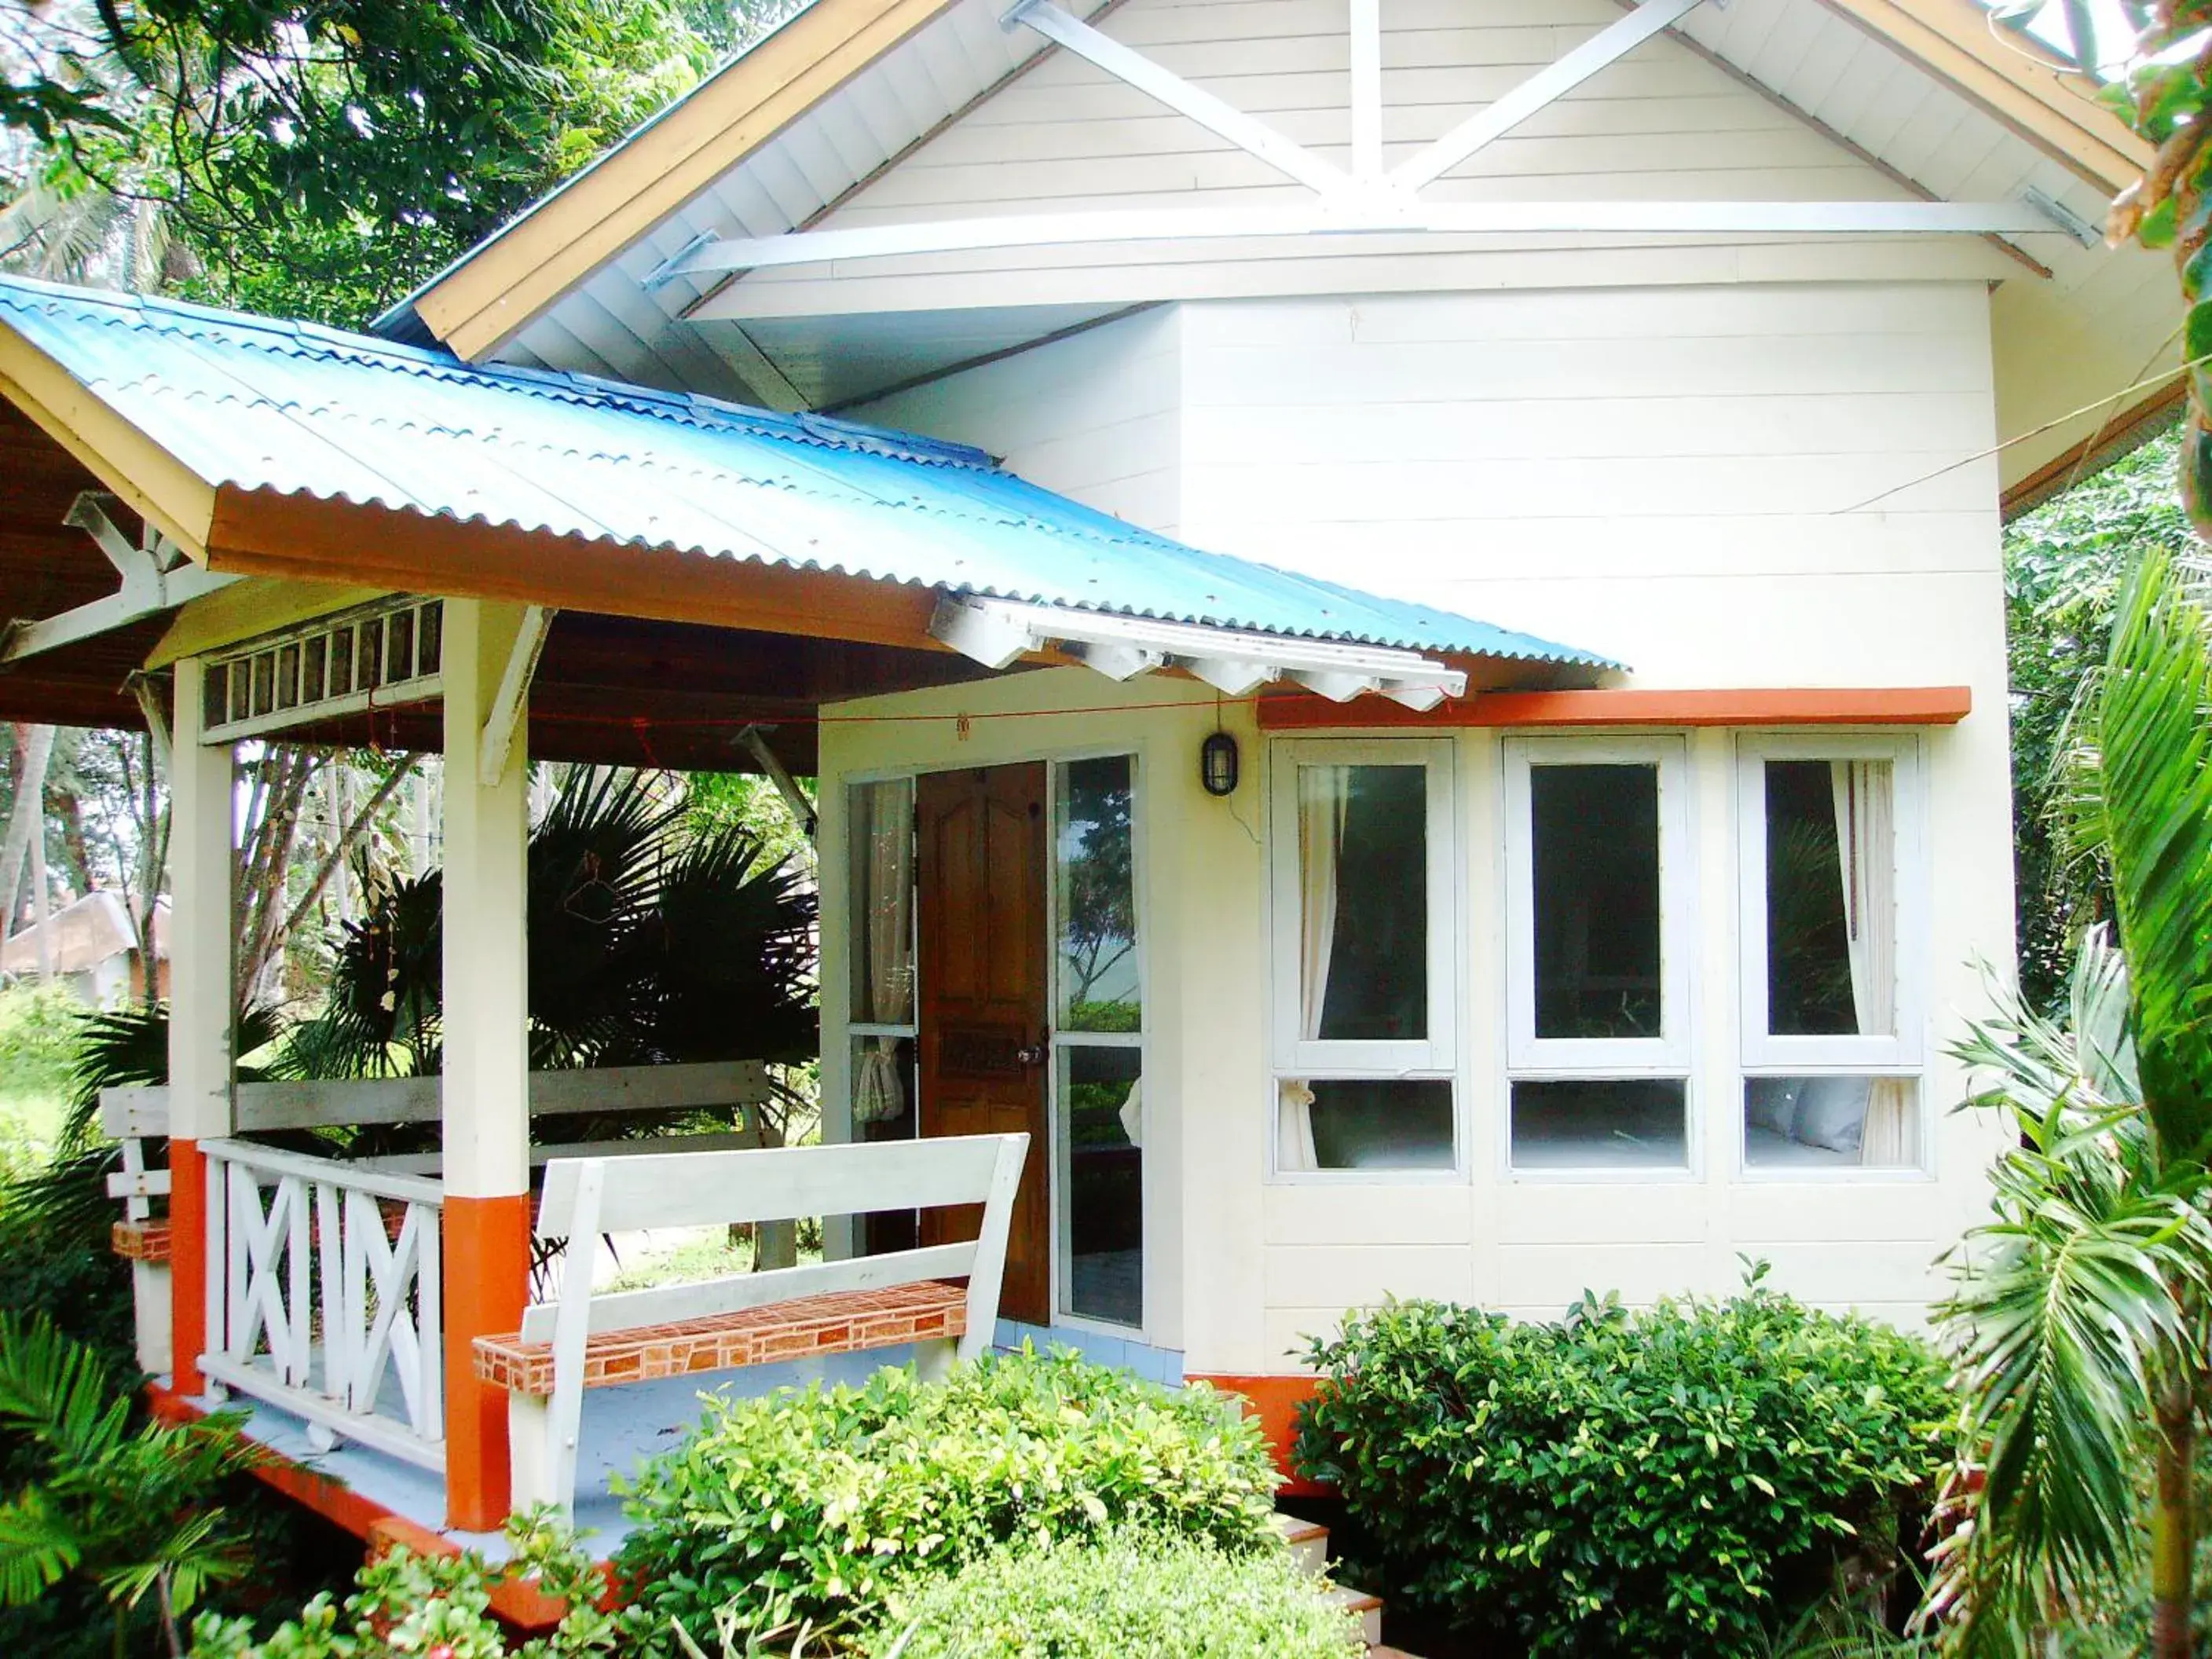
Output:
[[1326, 944]]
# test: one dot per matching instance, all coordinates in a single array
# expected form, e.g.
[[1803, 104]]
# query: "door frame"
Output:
[[1157, 1271]]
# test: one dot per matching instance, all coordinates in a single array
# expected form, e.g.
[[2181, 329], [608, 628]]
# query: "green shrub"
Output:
[[1127, 1597], [813, 1505], [1662, 1482], [410, 1605]]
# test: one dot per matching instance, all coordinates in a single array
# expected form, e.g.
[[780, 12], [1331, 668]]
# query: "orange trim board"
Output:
[[1908, 705], [188, 1261], [486, 1246], [1274, 1401]]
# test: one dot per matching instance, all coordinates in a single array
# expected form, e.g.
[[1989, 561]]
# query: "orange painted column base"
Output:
[[1273, 1402], [188, 1244], [486, 1263]]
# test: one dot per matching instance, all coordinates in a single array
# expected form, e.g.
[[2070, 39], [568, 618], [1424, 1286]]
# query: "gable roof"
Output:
[[760, 96], [292, 411]]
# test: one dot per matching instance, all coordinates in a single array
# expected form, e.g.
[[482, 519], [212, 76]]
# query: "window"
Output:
[[1597, 999], [1097, 1079], [1363, 986], [1831, 905]]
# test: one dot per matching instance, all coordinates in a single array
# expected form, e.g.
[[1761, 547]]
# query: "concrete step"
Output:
[[1368, 1607], [1308, 1541]]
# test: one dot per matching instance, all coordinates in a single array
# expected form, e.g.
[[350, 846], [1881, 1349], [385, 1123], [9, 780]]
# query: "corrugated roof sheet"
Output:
[[302, 410]]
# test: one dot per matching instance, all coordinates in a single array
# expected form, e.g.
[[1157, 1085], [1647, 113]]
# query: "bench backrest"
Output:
[[586, 1197]]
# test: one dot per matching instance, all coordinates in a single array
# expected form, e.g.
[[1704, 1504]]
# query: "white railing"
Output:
[[320, 1305]]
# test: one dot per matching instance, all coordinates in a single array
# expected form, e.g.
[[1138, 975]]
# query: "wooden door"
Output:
[[982, 861]]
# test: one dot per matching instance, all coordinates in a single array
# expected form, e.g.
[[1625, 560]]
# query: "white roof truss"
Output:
[[998, 633], [1367, 201], [157, 577]]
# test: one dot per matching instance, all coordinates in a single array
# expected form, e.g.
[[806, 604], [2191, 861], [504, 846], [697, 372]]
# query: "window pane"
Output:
[[879, 835], [1103, 1130], [1831, 899], [1098, 985], [1600, 1124], [1595, 831], [1364, 904], [1396, 1123], [1831, 1122]]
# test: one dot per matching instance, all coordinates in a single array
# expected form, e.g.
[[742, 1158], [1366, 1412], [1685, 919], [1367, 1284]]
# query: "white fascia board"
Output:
[[997, 632], [1545, 87], [1361, 217]]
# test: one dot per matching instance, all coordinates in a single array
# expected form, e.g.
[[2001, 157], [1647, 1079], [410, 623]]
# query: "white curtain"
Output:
[[1866, 839], [1324, 794], [882, 897]]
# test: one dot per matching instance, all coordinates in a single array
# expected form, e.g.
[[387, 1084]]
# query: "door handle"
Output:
[[1036, 1054]]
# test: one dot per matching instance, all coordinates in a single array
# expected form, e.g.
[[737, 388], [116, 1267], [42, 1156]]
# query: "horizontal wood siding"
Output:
[[1662, 123], [1097, 417], [1667, 475]]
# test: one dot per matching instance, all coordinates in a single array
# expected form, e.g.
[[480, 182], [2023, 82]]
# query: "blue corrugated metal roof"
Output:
[[301, 409]]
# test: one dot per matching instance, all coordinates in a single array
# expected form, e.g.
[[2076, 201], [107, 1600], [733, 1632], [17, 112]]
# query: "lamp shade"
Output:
[[1217, 764]]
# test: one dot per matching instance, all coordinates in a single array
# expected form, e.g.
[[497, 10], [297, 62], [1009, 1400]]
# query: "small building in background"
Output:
[[93, 946]]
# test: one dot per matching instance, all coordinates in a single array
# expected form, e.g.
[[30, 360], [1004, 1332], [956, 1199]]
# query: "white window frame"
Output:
[[1669, 1055], [1433, 1059], [1900, 1051]]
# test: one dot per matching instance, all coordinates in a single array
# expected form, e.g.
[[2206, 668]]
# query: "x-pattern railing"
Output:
[[323, 1294]]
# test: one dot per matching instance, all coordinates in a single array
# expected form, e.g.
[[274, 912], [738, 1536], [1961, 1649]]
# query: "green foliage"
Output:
[[409, 1605], [1618, 1482], [2066, 563], [1126, 1597], [38, 1036], [2065, 1317], [818, 1505], [654, 938], [322, 160], [130, 1509]]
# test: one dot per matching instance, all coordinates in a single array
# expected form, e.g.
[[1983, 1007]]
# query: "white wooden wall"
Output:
[[1098, 416], [1662, 123], [1658, 473]]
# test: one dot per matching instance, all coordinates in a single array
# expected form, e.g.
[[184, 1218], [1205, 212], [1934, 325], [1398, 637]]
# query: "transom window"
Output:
[[1830, 907], [1364, 985], [1597, 998]]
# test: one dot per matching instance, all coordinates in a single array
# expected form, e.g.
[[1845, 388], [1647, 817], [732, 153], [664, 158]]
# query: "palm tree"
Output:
[[2079, 1322]]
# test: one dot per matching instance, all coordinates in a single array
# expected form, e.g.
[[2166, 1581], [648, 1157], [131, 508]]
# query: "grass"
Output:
[[38, 1032], [709, 1256]]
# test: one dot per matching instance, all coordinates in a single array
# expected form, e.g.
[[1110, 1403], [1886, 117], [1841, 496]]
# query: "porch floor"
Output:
[[622, 1429]]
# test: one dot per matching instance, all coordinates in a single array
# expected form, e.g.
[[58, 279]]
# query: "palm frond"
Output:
[[57, 1392], [2153, 731], [37, 1548]]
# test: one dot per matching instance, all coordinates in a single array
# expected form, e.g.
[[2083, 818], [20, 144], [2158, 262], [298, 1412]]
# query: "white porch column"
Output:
[[201, 867], [486, 1086]]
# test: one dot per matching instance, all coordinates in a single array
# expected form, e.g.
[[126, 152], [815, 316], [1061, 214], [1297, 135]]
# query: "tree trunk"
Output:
[[2173, 1524], [34, 746]]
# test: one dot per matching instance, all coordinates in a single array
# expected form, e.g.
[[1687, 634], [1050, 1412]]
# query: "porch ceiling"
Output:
[[47, 568]]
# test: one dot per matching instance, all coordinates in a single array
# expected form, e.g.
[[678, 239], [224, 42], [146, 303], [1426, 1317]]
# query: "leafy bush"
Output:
[[128, 1510], [814, 1505], [1129, 1597], [1625, 1483], [410, 1605]]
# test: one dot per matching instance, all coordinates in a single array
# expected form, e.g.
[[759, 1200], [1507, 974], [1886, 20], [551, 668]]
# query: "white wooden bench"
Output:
[[582, 1340]]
